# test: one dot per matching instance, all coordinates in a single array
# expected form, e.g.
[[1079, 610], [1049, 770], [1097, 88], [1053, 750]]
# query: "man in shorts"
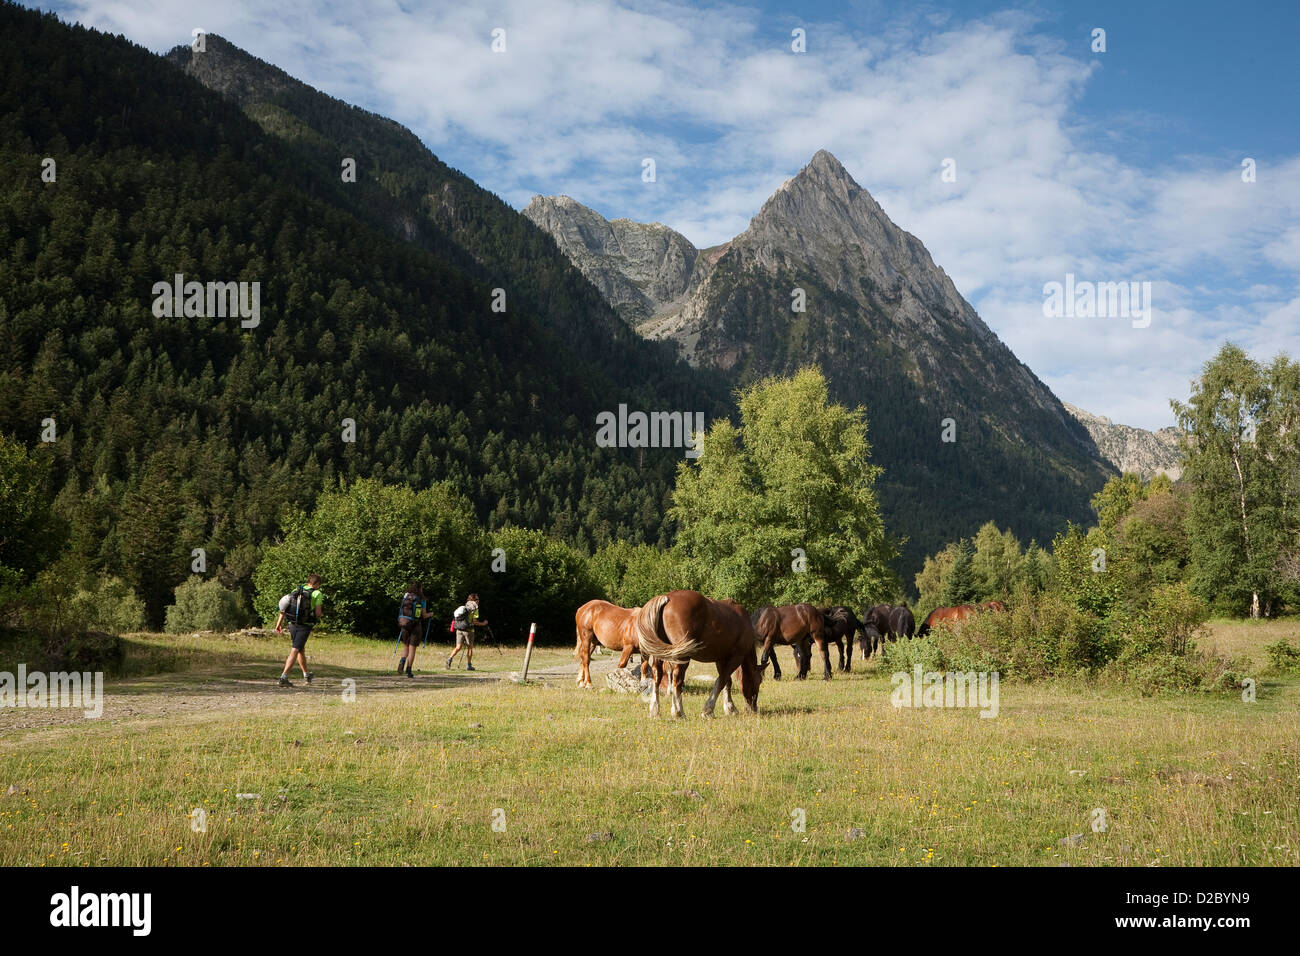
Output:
[[465, 625], [299, 632]]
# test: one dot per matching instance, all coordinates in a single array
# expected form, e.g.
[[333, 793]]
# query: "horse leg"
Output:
[[839, 649], [803, 657], [583, 653], [626, 655], [724, 670], [716, 689], [654, 687], [826, 656], [678, 679]]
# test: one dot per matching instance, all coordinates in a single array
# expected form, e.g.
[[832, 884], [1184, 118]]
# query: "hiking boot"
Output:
[[309, 677], [285, 682], [408, 673], [401, 664], [449, 663], [469, 667]]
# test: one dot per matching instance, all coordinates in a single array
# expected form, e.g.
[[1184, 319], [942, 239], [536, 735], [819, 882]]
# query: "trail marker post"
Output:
[[528, 651]]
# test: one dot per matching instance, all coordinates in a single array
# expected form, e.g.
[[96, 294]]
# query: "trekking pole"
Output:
[[393, 656], [492, 635]]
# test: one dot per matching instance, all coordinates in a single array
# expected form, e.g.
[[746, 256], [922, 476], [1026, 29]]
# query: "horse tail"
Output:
[[652, 637]]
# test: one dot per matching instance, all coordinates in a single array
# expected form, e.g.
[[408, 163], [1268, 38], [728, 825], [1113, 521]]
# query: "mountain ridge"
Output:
[[892, 332]]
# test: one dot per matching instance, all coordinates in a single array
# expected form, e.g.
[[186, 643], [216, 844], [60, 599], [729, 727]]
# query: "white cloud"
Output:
[[586, 90]]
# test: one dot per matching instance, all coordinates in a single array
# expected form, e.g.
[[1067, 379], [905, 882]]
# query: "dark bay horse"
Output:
[[791, 624], [683, 626], [946, 615], [610, 625]]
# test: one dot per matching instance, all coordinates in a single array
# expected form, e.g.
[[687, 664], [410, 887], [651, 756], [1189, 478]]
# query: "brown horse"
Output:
[[610, 625], [996, 606], [791, 624], [683, 626], [946, 615]]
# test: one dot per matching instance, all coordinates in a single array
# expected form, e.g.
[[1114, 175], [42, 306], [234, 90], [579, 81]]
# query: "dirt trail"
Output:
[[188, 693]]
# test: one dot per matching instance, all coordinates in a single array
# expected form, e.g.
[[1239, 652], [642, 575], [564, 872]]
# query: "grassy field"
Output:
[[416, 771]]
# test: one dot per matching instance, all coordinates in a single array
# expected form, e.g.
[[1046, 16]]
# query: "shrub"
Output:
[[204, 606], [367, 541], [108, 604], [1163, 670], [83, 651], [542, 580], [1283, 657], [904, 655], [1043, 635], [631, 574]]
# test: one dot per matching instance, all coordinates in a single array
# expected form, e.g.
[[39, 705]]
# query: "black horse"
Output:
[[901, 622], [842, 625], [890, 621]]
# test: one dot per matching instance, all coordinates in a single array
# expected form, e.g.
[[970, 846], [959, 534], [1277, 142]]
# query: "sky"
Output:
[[1115, 165]]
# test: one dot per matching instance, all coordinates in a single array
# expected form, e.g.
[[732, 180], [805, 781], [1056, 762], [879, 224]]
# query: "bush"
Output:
[[904, 655], [1166, 626], [367, 541], [1041, 636], [83, 651], [66, 600], [204, 606], [1283, 657], [1163, 670], [108, 604], [631, 574], [542, 580]]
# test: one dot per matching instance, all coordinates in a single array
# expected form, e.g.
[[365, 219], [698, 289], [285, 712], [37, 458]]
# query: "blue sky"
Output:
[[1115, 166]]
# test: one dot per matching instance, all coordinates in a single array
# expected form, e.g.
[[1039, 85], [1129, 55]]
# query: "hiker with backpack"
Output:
[[301, 607], [410, 623], [465, 620]]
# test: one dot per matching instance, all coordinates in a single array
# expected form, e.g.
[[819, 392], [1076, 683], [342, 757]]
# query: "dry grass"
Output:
[[411, 772]]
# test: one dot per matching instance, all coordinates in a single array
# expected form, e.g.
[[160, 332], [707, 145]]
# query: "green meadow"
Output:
[[200, 760]]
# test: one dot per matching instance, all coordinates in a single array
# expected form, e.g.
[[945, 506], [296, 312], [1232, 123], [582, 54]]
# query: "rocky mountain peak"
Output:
[[640, 268], [1133, 449]]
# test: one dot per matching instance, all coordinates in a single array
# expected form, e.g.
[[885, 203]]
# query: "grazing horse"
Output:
[[901, 622], [996, 606], [892, 622], [791, 624], [682, 626], [870, 640], [841, 624], [946, 615], [878, 614], [610, 625]]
